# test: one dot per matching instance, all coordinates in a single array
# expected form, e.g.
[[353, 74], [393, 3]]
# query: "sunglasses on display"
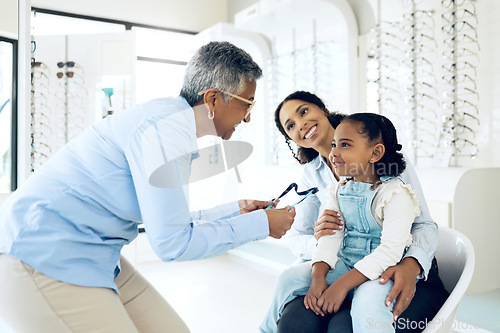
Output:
[[70, 64], [60, 75]]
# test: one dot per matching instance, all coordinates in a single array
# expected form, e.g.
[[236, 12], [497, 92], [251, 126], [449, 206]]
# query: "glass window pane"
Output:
[[47, 24], [6, 68], [164, 44], [155, 80]]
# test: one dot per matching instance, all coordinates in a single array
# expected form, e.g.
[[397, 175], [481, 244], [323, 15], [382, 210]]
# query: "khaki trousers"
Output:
[[32, 302]]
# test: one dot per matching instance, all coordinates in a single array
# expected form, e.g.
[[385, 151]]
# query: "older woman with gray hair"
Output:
[[61, 233]]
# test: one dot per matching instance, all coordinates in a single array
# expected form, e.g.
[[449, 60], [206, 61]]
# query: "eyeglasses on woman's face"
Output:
[[249, 102]]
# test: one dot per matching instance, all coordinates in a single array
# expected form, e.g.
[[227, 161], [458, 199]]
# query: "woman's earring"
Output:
[[211, 115]]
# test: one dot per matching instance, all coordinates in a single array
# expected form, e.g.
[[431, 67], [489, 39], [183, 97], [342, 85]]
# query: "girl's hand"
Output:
[[318, 286], [332, 298], [250, 205], [327, 223]]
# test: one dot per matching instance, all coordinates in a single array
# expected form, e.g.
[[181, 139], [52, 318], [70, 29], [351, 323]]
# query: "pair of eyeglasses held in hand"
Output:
[[305, 194]]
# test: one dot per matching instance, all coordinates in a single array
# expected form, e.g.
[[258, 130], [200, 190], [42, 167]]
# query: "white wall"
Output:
[[194, 15], [197, 15], [3, 196], [8, 19], [234, 6], [361, 9], [489, 76]]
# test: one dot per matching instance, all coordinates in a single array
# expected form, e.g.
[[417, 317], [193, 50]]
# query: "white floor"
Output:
[[480, 312], [231, 293], [219, 295]]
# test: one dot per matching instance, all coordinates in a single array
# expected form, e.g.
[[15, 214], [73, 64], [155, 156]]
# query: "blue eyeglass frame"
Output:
[[305, 194]]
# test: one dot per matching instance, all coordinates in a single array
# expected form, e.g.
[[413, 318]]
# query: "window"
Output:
[[161, 60], [8, 114], [162, 53], [156, 79], [49, 24]]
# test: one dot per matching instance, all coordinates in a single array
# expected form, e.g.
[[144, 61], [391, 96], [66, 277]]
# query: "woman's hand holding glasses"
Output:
[[280, 221], [250, 205]]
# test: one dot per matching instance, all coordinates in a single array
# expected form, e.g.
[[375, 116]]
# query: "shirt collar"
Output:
[[189, 114], [191, 123], [318, 162]]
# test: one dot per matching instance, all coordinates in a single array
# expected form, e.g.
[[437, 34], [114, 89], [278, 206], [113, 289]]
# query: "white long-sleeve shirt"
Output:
[[394, 207], [72, 217], [317, 174]]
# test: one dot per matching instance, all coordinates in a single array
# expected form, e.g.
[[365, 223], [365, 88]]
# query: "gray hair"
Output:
[[219, 65]]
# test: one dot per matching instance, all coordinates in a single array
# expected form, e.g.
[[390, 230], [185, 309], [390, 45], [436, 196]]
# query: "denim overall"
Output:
[[362, 232], [362, 236]]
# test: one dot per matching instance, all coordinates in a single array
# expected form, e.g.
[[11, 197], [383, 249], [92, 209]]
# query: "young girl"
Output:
[[303, 118], [378, 211]]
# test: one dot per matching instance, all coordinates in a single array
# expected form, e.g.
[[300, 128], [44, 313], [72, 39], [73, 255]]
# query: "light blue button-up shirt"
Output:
[[71, 218], [317, 174]]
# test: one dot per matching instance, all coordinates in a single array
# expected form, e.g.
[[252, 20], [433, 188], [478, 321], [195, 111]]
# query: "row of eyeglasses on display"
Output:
[[57, 107], [430, 71]]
